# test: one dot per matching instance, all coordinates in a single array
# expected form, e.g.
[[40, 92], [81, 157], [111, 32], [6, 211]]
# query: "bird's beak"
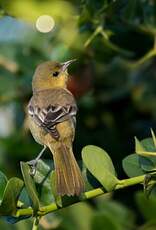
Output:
[[66, 64]]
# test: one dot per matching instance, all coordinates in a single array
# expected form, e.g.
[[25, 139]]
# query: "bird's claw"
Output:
[[32, 164]]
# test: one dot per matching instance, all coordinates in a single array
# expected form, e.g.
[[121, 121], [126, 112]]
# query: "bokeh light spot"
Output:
[[45, 23]]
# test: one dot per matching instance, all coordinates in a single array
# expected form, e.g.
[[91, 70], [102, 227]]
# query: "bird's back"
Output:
[[56, 96], [49, 108]]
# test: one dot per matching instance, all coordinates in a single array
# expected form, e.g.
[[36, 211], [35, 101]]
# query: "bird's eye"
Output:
[[55, 74]]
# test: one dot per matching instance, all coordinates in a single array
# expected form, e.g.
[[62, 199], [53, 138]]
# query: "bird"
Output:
[[52, 113]]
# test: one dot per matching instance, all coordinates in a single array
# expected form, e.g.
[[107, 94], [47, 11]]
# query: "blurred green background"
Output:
[[113, 80]]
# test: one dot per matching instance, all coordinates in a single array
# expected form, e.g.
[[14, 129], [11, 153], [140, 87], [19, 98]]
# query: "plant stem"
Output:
[[154, 46], [129, 182], [35, 223], [91, 38], [142, 60], [87, 195]]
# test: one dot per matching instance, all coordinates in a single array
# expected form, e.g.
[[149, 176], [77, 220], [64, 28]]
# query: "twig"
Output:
[[142, 60], [87, 195]]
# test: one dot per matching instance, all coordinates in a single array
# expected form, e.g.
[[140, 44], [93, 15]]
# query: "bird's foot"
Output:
[[33, 165]]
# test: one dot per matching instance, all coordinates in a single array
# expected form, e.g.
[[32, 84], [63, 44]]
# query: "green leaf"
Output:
[[148, 144], [100, 165], [147, 206], [90, 181], [153, 137], [43, 181], [24, 198], [24, 225], [116, 210], [139, 149], [3, 183], [145, 147], [101, 221], [77, 216], [114, 215], [23, 202], [10, 197], [30, 186], [146, 164], [131, 165], [153, 189]]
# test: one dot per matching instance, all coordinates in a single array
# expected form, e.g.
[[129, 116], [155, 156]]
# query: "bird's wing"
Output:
[[49, 117]]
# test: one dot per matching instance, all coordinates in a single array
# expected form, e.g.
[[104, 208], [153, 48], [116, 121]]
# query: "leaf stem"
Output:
[[87, 195]]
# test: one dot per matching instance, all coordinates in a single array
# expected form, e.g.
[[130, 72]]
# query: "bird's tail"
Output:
[[69, 180]]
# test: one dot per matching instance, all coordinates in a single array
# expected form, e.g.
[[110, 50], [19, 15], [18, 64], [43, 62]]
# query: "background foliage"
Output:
[[113, 81]]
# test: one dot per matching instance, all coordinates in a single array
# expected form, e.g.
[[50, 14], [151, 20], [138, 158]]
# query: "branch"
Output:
[[151, 53], [87, 195], [143, 59]]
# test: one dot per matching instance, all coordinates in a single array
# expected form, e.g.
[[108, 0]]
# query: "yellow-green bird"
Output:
[[52, 119]]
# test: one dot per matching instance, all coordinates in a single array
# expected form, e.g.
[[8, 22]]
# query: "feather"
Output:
[[49, 117], [69, 180]]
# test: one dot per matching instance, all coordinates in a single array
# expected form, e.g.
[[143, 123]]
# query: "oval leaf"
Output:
[[90, 181], [148, 145], [145, 147], [131, 165], [10, 197], [30, 186], [146, 164], [145, 204], [100, 165], [139, 148], [101, 220], [153, 137], [43, 181], [3, 183]]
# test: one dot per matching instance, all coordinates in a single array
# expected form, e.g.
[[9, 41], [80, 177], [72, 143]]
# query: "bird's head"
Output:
[[51, 75]]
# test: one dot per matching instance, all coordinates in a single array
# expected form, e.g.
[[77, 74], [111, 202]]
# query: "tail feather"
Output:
[[69, 180]]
